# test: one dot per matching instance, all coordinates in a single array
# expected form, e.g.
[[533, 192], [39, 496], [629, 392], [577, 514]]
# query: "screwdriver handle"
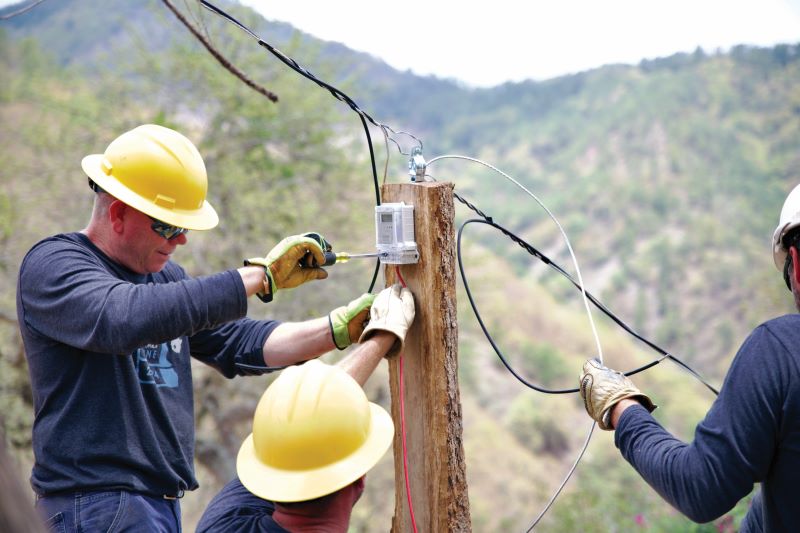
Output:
[[308, 260], [330, 259]]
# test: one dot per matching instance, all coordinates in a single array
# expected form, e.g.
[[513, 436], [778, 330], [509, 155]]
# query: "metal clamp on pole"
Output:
[[416, 165]]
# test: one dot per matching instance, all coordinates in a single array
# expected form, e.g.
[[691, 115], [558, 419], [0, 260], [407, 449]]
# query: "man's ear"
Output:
[[116, 215], [795, 266]]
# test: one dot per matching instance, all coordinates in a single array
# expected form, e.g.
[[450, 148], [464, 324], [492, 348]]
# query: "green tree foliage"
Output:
[[667, 177]]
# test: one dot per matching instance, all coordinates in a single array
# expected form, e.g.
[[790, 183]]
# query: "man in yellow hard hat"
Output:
[[109, 323], [315, 436], [750, 435]]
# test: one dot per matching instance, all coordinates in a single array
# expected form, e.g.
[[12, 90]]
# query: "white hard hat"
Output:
[[790, 219]]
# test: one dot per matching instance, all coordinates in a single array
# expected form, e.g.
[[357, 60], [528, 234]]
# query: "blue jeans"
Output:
[[107, 511]]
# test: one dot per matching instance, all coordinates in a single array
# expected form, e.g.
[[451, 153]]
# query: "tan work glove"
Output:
[[347, 322], [287, 264], [392, 311], [602, 388]]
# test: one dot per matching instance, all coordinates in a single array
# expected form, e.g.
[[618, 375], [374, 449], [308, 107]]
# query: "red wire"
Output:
[[399, 275], [403, 425]]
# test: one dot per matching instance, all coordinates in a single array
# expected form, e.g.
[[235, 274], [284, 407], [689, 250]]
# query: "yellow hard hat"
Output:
[[157, 171], [314, 432]]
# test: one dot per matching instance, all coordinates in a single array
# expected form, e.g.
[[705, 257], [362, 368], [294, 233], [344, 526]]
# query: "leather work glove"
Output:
[[347, 322], [291, 263], [602, 388], [393, 311]]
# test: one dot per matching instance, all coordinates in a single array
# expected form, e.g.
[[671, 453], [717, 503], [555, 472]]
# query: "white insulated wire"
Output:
[[557, 223], [585, 304]]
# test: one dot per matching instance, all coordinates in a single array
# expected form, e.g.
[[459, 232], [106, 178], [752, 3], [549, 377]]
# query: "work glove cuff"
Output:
[[398, 331], [623, 394], [270, 288]]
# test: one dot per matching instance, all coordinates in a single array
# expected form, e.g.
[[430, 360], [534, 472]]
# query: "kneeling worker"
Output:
[[315, 436]]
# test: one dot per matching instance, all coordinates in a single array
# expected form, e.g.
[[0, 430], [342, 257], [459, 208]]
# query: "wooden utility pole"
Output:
[[436, 467]]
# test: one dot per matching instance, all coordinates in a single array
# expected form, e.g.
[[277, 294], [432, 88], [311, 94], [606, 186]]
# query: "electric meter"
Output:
[[394, 234]]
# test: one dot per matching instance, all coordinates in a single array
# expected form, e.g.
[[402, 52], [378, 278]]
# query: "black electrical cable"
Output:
[[546, 260], [339, 95], [364, 117]]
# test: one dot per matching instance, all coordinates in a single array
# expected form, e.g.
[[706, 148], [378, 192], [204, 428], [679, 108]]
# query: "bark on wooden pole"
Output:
[[436, 467]]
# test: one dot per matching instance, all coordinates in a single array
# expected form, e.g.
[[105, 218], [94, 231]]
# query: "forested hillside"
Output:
[[667, 177]]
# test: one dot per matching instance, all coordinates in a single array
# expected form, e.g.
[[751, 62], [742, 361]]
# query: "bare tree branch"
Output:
[[219, 57], [22, 10]]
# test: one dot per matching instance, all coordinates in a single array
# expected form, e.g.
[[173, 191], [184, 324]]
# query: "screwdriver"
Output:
[[344, 257], [332, 258]]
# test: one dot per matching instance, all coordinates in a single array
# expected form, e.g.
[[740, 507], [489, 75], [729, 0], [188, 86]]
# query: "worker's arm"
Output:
[[620, 408], [254, 279], [362, 362], [295, 342], [734, 446], [391, 315]]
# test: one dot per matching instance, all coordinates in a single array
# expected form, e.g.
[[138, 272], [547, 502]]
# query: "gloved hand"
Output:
[[602, 388], [287, 265], [393, 311], [347, 322]]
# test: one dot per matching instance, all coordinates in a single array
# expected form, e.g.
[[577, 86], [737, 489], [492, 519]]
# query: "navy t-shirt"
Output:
[[108, 355], [235, 508], [750, 435]]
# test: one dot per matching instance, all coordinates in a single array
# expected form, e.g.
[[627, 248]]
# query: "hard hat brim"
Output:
[[203, 218], [282, 485], [779, 253]]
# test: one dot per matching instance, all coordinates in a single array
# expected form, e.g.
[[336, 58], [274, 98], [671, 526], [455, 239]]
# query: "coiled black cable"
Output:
[[599, 305], [339, 95]]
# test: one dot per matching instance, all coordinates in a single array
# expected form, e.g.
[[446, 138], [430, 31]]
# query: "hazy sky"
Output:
[[489, 42]]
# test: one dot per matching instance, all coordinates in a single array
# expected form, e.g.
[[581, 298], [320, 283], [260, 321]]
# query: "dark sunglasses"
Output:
[[165, 230]]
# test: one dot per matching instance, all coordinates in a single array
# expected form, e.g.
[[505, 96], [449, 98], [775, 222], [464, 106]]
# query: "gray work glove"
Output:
[[602, 388], [392, 311]]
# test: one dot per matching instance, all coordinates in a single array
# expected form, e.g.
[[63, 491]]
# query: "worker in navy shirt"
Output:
[[109, 323], [750, 435], [315, 435]]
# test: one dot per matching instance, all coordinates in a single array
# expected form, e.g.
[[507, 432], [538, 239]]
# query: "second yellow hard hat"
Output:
[[314, 432]]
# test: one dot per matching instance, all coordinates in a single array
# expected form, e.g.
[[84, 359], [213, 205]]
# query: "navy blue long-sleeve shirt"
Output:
[[750, 435], [235, 508], [108, 354]]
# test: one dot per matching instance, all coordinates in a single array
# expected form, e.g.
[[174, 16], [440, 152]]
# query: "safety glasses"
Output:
[[165, 230]]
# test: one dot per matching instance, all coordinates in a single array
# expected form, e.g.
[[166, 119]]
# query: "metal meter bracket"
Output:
[[416, 165], [394, 234]]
